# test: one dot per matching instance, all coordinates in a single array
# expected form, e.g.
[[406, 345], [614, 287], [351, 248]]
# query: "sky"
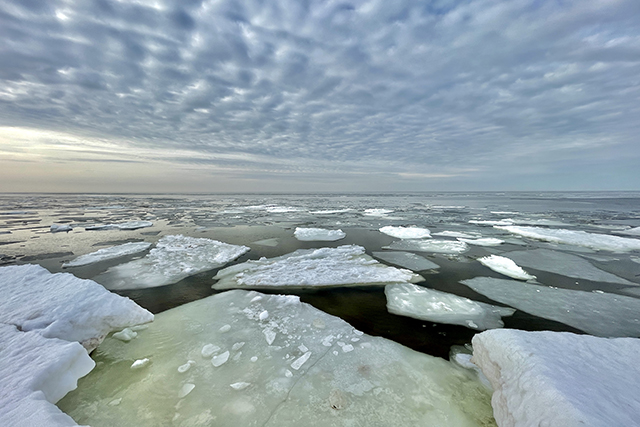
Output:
[[319, 96]]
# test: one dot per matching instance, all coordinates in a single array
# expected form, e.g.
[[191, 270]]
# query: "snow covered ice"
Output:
[[109, 253], [174, 258], [505, 266], [442, 307], [560, 379], [407, 260], [437, 246], [341, 266], [316, 370], [483, 241], [406, 232], [318, 234], [129, 225]]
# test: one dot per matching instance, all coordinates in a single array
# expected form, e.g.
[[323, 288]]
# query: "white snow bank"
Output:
[[505, 266], [129, 225], [437, 246], [483, 241], [63, 306], [407, 260], [601, 314], [578, 238], [173, 259], [406, 232], [108, 253], [341, 266], [560, 379], [423, 303], [318, 234]]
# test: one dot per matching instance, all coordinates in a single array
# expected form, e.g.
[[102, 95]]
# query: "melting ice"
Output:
[[406, 232], [318, 234], [105, 254], [603, 242], [505, 266], [437, 246]]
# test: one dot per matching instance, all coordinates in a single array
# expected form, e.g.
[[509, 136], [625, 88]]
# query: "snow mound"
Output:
[[341, 266], [438, 246], [318, 234], [601, 314], [423, 303], [407, 260], [129, 225], [505, 266], [603, 242], [174, 258], [406, 232], [484, 241], [559, 378], [108, 254]]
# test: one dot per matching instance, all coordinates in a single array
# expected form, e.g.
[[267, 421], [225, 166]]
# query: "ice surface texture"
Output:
[[318, 234], [407, 260], [341, 266], [406, 232], [437, 246], [603, 242], [296, 366], [429, 304], [505, 266], [559, 378], [602, 314], [108, 253], [173, 259]]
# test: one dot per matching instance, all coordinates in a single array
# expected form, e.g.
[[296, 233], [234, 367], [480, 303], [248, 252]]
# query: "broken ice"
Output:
[[437, 246], [578, 238], [406, 232], [483, 241], [105, 254], [129, 225], [505, 266], [407, 260], [318, 234]]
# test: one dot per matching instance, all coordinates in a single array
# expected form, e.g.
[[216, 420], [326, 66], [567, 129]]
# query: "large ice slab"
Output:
[[505, 266], [438, 246], [407, 260], [578, 238], [318, 234], [174, 258], [342, 266], [406, 232], [246, 359], [601, 314], [129, 225], [64, 306], [423, 303], [109, 253], [560, 379]]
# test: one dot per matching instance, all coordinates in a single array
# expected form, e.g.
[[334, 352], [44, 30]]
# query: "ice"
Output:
[[318, 234], [631, 231], [185, 390], [441, 307], [377, 383], [506, 221], [220, 359], [564, 264], [272, 243], [560, 379], [56, 228], [406, 232], [125, 335], [129, 225], [64, 306], [578, 238], [377, 212], [141, 363], [484, 241], [407, 260], [601, 314], [437, 246], [469, 235], [174, 258], [108, 253], [341, 266], [505, 266]]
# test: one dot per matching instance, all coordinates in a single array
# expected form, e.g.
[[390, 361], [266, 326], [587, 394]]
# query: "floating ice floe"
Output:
[[437, 246], [564, 264], [465, 235], [173, 259], [559, 378], [577, 238], [129, 225], [407, 260], [601, 314], [377, 212], [406, 232], [631, 231], [342, 266], [57, 228], [330, 211], [105, 254], [505, 266], [423, 303], [318, 234], [272, 243], [483, 241], [506, 221], [298, 367]]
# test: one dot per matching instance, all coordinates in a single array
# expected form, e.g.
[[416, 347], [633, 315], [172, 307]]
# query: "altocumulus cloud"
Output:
[[426, 95]]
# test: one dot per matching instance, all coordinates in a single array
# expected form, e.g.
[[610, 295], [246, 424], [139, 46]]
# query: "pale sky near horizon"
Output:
[[305, 95]]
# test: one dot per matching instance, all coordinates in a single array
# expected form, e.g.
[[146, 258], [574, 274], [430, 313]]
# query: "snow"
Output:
[[437, 246], [560, 379], [372, 382], [601, 314], [318, 234], [505, 266], [407, 260], [406, 232], [578, 238], [108, 254], [484, 241], [341, 266], [174, 258], [129, 225], [56, 228], [429, 304]]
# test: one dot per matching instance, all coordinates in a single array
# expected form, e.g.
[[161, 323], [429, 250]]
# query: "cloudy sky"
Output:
[[315, 95]]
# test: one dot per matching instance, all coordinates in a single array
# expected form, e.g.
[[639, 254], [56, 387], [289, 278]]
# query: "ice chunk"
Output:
[[129, 225], [631, 231], [125, 335], [602, 314], [560, 379], [407, 260], [56, 228], [173, 259], [273, 242], [64, 306], [505, 221], [185, 390], [140, 363], [241, 385], [377, 212], [505, 266], [406, 232], [209, 350], [184, 368], [341, 266], [318, 234], [108, 253], [441, 307], [220, 359], [437, 246], [297, 364], [483, 241], [469, 235], [578, 238]]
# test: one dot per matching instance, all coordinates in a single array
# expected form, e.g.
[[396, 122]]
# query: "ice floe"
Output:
[[465, 235], [506, 221], [57, 228], [105, 254], [601, 314], [437, 246], [307, 376], [559, 378], [423, 303], [129, 225], [483, 241], [631, 231], [174, 258], [318, 234], [377, 212], [407, 260], [578, 238], [406, 232], [505, 266]]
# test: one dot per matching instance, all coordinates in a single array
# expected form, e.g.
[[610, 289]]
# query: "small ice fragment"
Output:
[[355, 339], [209, 350], [270, 335], [303, 348], [254, 359], [357, 332], [56, 228], [241, 385], [256, 298], [125, 335], [406, 232], [237, 346], [318, 323], [185, 390], [505, 266], [220, 359], [335, 353], [288, 373], [139, 328], [225, 328], [115, 402], [347, 348], [264, 315], [297, 364], [237, 356], [184, 368], [140, 363]]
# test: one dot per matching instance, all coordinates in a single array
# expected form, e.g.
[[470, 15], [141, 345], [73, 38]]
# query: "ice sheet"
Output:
[[483, 241], [318, 234], [465, 235], [407, 260], [423, 303], [108, 253], [560, 379], [437, 246], [578, 238], [505, 266], [129, 225], [601, 314], [341, 266], [406, 232]]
